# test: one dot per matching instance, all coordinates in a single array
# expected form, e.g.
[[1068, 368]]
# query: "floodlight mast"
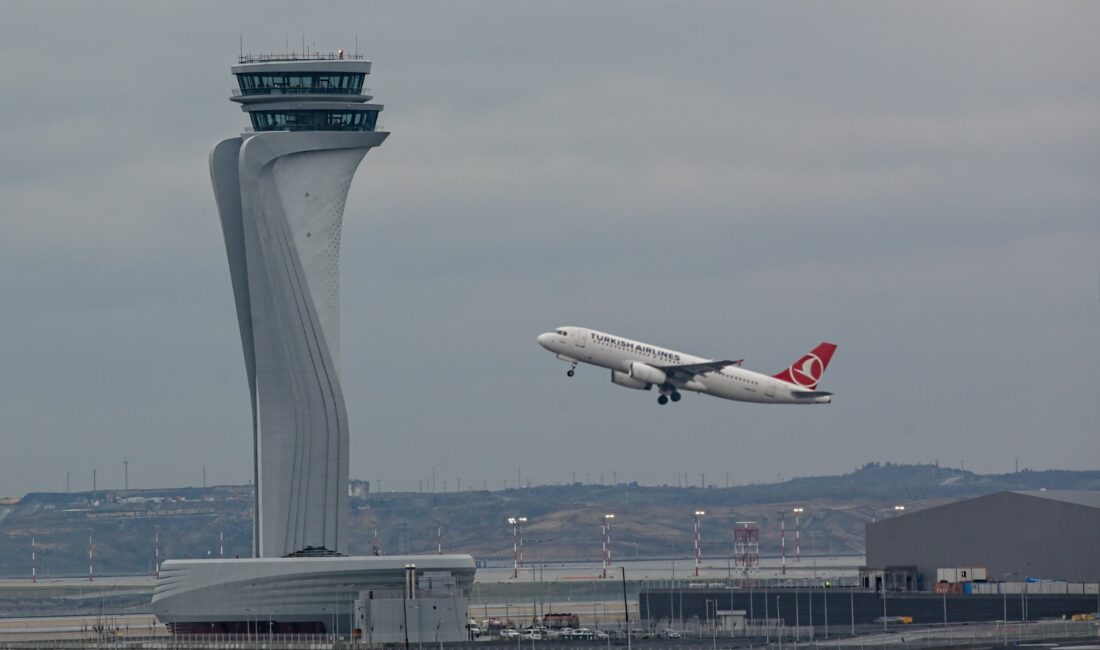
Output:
[[698, 552], [797, 534], [607, 518]]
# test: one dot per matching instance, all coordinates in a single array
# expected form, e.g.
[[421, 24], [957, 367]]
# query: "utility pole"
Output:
[[204, 477], [125, 474], [68, 483], [93, 484]]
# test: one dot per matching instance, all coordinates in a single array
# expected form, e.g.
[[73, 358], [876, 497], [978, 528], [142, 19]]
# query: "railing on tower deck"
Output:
[[339, 55], [292, 90]]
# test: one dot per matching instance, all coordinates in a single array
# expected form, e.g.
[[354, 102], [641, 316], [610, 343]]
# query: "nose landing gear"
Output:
[[662, 400], [572, 370]]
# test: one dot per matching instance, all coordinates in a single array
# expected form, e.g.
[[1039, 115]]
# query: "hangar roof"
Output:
[[1090, 498]]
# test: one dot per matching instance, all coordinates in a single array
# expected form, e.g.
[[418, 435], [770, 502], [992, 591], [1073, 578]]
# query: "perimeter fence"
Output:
[[906, 637]]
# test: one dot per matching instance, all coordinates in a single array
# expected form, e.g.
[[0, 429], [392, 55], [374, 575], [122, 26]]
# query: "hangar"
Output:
[[1044, 535]]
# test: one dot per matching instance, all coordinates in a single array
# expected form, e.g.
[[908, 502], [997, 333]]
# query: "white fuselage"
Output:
[[617, 354]]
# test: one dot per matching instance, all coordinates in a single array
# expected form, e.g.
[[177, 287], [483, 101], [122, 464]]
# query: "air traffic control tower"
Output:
[[280, 190]]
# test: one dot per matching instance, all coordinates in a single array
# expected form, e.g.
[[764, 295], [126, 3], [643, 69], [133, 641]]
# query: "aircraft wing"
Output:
[[689, 370]]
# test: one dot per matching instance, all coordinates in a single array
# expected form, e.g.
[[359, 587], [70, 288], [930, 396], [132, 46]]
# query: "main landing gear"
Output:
[[664, 397], [572, 370]]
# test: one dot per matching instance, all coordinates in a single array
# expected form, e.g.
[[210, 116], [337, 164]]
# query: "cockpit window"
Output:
[[562, 332]]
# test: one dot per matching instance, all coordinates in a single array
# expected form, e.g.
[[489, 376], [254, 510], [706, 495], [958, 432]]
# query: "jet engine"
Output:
[[623, 379], [647, 373]]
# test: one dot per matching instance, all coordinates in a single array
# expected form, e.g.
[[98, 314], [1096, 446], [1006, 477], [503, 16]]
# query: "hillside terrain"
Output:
[[563, 520]]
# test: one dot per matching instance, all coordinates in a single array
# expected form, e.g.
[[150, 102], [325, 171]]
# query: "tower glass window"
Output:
[[314, 120], [292, 83]]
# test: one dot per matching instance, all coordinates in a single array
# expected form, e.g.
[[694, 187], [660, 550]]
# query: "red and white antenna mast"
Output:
[[698, 553], [517, 545], [91, 574], [783, 540], [156, 555], [746, 545], [797, 534], [221, 543], [34, 576], [607, 542]]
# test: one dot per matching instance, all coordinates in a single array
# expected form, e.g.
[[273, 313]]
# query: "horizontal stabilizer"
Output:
[[810, 393]]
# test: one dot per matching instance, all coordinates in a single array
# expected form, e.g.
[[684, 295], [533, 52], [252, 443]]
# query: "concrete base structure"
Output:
[[296, 595]]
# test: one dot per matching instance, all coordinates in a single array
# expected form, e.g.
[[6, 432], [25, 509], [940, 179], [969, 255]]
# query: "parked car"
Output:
[[600, 635], [669, 633], [509, 633], [582, 633]]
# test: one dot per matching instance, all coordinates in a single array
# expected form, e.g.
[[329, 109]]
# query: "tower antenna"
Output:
[[356, 45], [241, 38]]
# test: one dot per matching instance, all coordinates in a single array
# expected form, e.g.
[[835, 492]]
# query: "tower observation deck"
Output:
[[281, 189]]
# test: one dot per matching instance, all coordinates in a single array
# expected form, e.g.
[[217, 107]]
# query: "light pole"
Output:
[[522, 522], [1004, 592], [1023, 592], [607, 542], [779, 623], [714, 622], [698, 554], [884, 629], [798, 534], [852, 608]]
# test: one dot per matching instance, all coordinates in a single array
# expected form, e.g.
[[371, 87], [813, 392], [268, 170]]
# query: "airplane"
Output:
[[642, 366]]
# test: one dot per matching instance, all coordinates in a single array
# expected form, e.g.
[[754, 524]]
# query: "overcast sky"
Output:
[[916, 182]]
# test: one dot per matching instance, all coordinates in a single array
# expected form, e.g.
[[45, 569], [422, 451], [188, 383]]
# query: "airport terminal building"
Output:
[[1041, 535]]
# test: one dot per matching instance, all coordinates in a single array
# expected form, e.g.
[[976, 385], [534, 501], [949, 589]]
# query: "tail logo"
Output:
[[808, 371]]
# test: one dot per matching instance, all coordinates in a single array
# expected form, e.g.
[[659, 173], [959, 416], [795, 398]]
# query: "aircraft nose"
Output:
[[544, 339]]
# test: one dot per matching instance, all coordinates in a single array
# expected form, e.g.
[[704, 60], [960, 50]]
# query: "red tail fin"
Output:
[[807, 371]]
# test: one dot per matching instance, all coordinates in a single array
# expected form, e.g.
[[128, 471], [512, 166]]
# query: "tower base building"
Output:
[[308, 595]]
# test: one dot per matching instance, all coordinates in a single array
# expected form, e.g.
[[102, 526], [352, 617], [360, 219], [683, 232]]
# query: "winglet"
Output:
[[807, 371]]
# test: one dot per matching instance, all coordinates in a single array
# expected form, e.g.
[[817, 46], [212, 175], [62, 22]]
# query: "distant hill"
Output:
[[563, 520]]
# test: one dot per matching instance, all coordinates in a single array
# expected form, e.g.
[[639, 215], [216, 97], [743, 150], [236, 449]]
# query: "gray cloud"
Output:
[[915, 182]]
